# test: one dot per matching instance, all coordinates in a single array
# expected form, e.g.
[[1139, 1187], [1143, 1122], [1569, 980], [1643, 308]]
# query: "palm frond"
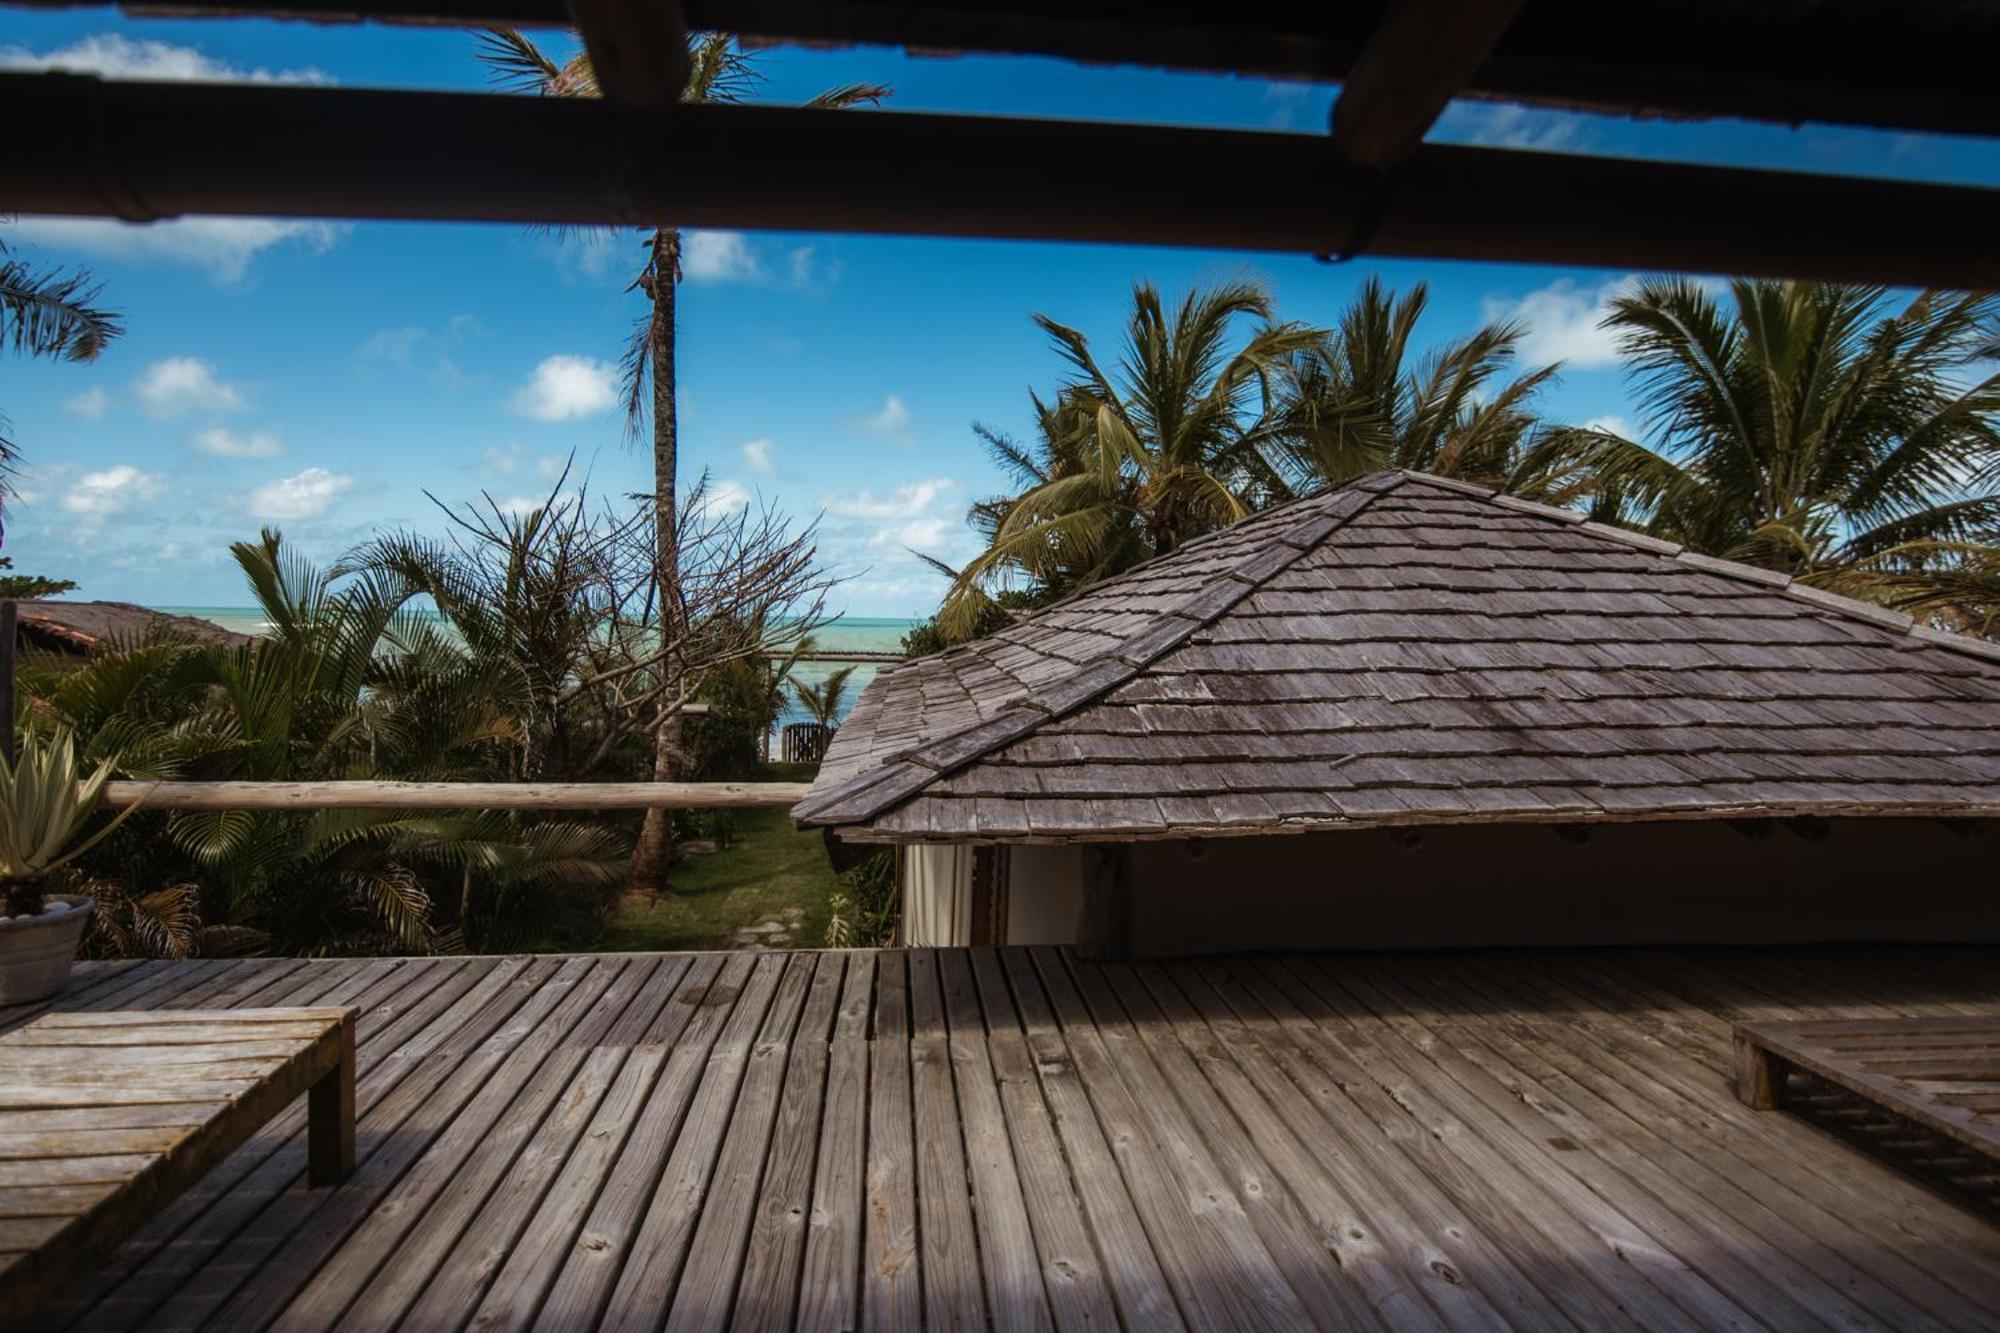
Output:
[[516, 63], [851, 95], [53, 314]]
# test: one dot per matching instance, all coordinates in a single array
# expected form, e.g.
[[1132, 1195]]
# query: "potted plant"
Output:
[[45, 802]]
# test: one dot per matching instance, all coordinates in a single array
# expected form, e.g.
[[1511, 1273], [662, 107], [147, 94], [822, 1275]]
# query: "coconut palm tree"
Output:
[[822, 701], [1361, 400], [1810, 427], [720, 71], [1131, 462]]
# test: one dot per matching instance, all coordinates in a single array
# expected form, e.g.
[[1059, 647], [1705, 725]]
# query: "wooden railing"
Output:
[[368, 795]]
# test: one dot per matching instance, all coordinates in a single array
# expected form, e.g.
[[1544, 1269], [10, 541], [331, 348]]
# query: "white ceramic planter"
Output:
[[36, 951]]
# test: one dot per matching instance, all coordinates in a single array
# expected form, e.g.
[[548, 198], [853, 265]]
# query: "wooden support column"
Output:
[[990, 868], [1104, 921]]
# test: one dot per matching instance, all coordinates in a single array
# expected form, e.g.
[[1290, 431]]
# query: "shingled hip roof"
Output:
[[1405, 649]]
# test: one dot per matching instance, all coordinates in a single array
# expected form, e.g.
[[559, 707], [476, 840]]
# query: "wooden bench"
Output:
[[106, 1117], [1941, 1073]]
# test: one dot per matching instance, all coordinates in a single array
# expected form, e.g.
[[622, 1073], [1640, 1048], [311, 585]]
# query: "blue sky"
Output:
[[322, 377]]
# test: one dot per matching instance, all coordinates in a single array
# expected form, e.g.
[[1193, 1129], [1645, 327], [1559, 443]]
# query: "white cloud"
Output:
[[872, 539], [905, 502], [725, 256], [719, 256], [1288, 101], [223, 246], [306, 495], [183, 384], [222, 443], [119, 57], [1612, 424], [1565, 321], [97, 495], [395, 346], [1505, 125], [91, 404], [498, 462], [891, 420], [723, 497], [757, 456], [419, 350], [919, 534], [565, 388], [599, 253]]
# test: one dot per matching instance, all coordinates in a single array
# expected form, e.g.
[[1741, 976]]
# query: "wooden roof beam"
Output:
[[638, 50], [1917, 64], [1421, 54], [144, 151]]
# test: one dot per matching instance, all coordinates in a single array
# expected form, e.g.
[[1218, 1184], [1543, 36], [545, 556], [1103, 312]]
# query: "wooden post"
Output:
[[9, 632], [1104, 921], [330, 1116], [1760, 1075]]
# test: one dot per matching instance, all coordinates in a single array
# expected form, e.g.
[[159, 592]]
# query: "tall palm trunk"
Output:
[[653, 853]]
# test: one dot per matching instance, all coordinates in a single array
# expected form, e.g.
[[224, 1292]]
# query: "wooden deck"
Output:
[[965, 1139]]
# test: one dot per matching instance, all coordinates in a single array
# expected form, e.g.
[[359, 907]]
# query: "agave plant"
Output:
[[46, 800]]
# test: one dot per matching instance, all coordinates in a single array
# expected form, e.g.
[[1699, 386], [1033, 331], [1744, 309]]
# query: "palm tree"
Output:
[[1811, 429], [720, 71], [347, 682], [823, 701], [1128, 465], [1358, 402]]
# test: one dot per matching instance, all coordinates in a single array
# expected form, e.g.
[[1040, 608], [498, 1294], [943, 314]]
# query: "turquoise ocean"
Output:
[[851, 634]]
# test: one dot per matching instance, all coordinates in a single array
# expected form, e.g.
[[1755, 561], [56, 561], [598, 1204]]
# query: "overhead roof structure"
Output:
[[1407, 650], [1370, 185]]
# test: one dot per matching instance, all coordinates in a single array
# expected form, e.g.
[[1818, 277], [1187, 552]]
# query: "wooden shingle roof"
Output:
[[1405, 650]]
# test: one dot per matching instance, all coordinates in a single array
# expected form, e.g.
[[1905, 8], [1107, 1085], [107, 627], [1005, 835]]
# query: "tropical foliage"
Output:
[[1361, 399], [1815, 428], [1132, 460], [824, 700], [1810, 427], [720, 71], [537, 657], [47, 799]]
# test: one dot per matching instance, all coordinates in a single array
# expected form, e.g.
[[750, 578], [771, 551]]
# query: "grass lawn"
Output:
[[769, 867]]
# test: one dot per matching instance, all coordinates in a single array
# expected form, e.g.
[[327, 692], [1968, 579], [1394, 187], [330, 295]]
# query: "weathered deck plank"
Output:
[[1009, 1138], [948, 1245], [891, 1280], [1072, 1277], [1818, 1219], [830, 1283]]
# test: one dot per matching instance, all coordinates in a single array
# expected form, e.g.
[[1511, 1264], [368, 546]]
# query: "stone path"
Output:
[[779, 932]]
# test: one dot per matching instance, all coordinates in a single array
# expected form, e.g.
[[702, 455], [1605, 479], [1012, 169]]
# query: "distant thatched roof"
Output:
[[1404, 650], [85, 627]]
